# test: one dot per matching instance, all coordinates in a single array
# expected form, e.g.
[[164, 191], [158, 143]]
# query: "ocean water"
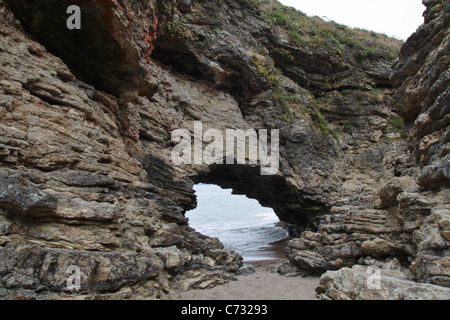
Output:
[[240, 223]]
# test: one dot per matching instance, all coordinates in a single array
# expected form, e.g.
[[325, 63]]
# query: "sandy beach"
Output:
[[261, 285]]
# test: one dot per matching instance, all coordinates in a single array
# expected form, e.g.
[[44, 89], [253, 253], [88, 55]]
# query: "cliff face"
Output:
[[422, 73], [87, 115], [421, 212]]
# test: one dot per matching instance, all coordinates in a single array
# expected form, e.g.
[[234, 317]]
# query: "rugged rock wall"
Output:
[[420, 212], [86, 121], [428, 82], [80, 185]]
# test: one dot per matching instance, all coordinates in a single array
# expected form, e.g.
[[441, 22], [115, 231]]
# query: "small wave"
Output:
[[240, 223], [252, 238]]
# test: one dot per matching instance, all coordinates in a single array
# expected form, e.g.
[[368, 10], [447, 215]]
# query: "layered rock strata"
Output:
[[86, 120], [418, 201]]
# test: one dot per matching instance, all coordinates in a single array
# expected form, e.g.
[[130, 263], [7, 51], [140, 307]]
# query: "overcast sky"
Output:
[[398, 18]]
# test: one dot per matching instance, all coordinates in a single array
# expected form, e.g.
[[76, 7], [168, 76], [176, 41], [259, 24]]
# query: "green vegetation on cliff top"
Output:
[[303, 30]]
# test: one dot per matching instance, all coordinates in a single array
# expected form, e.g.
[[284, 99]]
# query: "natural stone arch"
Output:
[[294, 209]]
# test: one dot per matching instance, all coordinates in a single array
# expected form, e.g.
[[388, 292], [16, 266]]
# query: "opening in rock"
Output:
[[93, 53], [242, 224], [297, 210]]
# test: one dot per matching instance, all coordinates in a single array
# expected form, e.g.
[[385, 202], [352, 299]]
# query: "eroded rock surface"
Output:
[[417, 202], [355, 284], [85, 143]]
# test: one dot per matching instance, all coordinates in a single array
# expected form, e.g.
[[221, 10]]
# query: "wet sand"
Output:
[[272, 251], [261, 285]]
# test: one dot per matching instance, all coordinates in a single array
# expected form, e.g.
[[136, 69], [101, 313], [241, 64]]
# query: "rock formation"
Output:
[[419, 229], [86, 118]]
